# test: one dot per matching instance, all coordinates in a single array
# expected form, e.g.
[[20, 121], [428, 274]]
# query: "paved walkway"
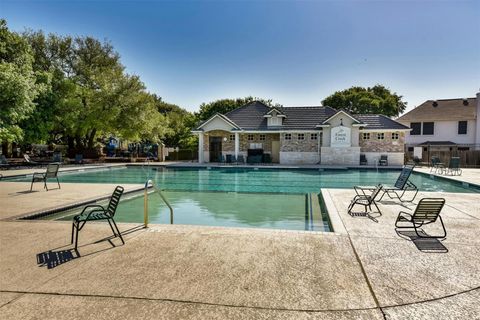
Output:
[[468, 175]]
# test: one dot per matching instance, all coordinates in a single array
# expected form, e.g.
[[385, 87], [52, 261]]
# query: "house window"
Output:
[[262, 137], [232, 137], [416, 128], [395, 135], [250, 137], [463, 149], [427, 128], [301, 136], [366, 136], [380, 136], [314, 136], [462, 127], [288, 136]]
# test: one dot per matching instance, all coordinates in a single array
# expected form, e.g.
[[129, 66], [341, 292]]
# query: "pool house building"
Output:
[[258, 133]]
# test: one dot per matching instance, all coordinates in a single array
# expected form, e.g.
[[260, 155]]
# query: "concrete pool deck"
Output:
[[184, 272]]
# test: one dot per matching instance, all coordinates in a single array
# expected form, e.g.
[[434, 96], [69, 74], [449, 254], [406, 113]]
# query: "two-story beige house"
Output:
[[300, 135], [444, 123]]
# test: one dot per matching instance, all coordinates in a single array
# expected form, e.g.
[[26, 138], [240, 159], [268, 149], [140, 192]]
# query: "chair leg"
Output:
[[45, 186], [58, 182], [111, 227], [76, 238], [31, 186], [73, 227], [119, 234]]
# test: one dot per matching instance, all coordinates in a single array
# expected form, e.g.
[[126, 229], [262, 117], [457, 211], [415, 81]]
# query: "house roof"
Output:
[[251, 117], [448, 109], [379, 121]]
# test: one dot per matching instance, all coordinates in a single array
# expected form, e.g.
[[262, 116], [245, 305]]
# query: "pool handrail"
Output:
[[148, 184]]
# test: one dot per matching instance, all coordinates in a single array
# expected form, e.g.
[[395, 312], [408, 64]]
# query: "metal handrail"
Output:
[[145, 202]]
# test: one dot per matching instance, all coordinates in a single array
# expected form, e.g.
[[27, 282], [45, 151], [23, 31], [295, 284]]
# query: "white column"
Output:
[[237, 144], [200, 147]]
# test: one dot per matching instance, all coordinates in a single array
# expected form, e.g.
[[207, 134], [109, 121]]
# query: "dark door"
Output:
[[215, 149]]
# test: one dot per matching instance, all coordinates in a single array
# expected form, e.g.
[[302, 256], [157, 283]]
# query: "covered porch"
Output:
[[234, 146]]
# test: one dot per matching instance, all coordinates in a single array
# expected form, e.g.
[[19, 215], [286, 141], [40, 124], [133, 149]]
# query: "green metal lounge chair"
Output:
[[363, 160], [398, 190], [427, 212], [454, 167], [383, 160], [366, 201], [96, 213], [51, 173], [401, 186]]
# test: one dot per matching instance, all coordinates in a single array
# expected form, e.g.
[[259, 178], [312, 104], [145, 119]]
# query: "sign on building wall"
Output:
[[341, 137]]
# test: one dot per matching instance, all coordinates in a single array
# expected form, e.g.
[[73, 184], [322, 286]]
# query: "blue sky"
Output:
[[295, 53]]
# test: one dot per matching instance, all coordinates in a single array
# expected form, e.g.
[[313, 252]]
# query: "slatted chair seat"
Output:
[[96, 213], [427, 212]]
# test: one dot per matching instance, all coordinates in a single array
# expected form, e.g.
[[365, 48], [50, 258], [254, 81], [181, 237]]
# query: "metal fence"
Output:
[[175, 154], [469, 154]]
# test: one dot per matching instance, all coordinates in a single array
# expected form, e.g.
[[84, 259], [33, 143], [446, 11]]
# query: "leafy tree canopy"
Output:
[[18, 83], [225, 105], [374, 100]]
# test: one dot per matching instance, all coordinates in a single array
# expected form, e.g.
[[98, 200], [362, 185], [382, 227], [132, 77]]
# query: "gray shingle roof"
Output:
[[379, 121], [251, 117]]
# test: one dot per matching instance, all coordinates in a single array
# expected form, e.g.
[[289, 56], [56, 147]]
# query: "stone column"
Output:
[[237, 144], [200, 147]]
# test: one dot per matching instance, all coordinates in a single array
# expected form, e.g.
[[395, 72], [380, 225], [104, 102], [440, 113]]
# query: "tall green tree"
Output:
[[225, 105], [374, 100], [180, 122], [18, 84], [91, 96]]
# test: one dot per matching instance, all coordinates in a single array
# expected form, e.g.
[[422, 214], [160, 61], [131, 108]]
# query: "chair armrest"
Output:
[[403, 213], [92, 206], [363, 189]]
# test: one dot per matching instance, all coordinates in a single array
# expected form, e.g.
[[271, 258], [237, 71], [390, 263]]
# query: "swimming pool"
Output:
[[240, 197], [265, 180]]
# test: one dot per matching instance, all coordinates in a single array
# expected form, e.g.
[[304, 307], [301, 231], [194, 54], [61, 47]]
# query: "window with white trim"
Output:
[[301, 136], [366, 136], [232, 137], [395, 135], [314, 136], [262, 137], [288, 136], [250, 137], [380, 136]]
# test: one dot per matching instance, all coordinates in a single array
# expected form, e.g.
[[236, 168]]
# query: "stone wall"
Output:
[[295, 145], [299, 158], [340, 156], [385, 145]]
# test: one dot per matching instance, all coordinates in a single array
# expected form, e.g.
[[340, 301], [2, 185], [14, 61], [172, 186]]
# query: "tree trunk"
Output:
[[91, 138]]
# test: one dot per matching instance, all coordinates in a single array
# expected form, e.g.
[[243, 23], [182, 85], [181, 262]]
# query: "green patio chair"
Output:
[[366, 201], [427, 212], [454, 167], [398, 190], [50, 173], [97, 213], [383, 160], [363, 160], [436, 165]]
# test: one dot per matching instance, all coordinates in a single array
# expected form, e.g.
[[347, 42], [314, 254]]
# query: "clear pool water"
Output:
[[261, 180], [231, 209]]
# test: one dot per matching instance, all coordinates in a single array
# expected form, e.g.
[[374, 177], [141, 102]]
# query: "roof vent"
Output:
[[465, 102], [435, 103]]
